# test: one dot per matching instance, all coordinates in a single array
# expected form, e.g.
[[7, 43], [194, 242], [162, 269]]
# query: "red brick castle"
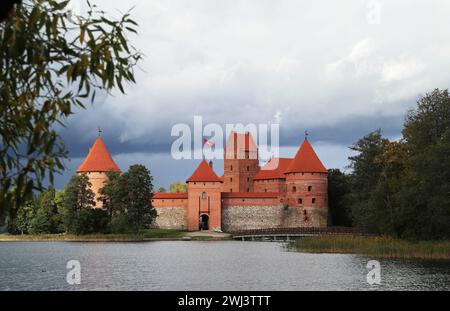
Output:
[[282, 194]]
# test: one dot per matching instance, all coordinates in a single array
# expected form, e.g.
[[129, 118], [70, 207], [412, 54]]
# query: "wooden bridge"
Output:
[[288, 234]]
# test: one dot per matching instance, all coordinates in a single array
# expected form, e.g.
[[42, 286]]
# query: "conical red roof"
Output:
[[204, 172], [306, 161], [98, 159]]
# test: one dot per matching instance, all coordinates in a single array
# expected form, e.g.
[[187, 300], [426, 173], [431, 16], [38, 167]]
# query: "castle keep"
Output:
[[284, 193]]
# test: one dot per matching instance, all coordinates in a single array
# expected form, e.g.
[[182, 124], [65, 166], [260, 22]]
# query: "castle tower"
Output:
[[97, 163], [204, 199], [241, 163], [307, 186]]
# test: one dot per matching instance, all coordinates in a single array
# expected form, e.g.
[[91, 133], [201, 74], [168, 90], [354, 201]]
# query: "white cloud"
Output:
[[308, 63]]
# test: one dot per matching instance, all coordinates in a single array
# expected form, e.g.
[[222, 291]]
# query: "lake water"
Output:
[[195, 265]]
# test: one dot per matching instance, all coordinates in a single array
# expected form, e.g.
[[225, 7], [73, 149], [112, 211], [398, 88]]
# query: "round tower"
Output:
[[97, 163], [307, 186]]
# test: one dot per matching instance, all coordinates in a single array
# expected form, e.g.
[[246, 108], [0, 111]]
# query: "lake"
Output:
[[209, 265]]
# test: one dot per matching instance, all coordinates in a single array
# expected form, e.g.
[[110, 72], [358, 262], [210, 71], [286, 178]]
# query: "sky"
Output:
[[338, 69]]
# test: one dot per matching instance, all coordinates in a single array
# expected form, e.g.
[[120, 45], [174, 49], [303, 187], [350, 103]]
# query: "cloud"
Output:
[[316, 65]]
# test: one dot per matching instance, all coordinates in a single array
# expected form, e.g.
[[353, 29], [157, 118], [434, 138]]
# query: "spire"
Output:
[[204, 172], [306, 161], [98, 159]]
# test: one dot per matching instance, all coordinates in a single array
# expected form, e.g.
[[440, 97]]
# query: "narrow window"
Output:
[[309, 188], [231, 178], [248, 189], [203, 195], [248, 178], [231, 190], [265, 190], [313, 200], [300, 201], [248, 168], [294, 189], [231, 167]]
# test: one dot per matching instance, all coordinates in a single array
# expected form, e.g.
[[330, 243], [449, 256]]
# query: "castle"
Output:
[[284, 193]]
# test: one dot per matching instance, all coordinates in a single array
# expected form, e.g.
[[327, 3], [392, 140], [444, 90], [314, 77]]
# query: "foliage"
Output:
[[162, 190], [40, 215], [178, 187], [338, 190], [402, 188], [128, 199], [78, 208], [51, 62]]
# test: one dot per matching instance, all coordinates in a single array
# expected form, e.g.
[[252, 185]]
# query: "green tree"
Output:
[[138, 189], [52, 62], [178, 187], [364, 179], [112, 194], [25, 215], [45, 217], [338, 191], [78, 211], [162, 190], [425, 198]]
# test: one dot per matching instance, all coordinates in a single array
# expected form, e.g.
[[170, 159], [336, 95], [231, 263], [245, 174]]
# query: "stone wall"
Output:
[[235, 218], [170, 217]]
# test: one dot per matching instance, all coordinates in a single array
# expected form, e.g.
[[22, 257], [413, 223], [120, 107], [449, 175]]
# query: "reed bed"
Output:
[[382, 247]]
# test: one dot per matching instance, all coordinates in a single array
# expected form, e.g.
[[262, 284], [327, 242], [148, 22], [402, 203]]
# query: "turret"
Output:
[[204, 207], [307, 186], [97, 163]]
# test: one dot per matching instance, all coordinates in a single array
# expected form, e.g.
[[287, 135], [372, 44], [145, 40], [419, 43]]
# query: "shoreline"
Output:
[[145, 237]]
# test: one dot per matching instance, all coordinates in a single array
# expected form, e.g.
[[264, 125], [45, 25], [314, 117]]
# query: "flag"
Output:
[[208, 143]]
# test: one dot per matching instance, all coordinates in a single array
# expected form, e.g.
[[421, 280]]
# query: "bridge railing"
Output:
[[302, 230]]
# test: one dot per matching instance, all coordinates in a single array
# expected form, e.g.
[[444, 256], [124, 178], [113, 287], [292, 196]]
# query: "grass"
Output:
[[163, 233], [145, 235], [382, 247], [129, 237]]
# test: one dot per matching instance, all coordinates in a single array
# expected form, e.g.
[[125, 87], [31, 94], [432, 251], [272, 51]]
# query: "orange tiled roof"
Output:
[[98, 159], [204, 172], [161, 195], [306, 161], [274, 169]]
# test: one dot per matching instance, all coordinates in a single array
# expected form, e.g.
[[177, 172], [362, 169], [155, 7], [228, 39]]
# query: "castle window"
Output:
[[294, 189], [248, 168], [309, 188], [231, 167], [248, 189], [313, 200], [203, 195], [231, 190], [300, 201], [265, 190], [231, 178], [248, 178]]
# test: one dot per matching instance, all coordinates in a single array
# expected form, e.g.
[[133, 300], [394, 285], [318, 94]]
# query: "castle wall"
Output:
[[171, 213], [247, 217], [270, 185]]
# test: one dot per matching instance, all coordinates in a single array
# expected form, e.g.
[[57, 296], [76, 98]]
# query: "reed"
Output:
[[382, 247]]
